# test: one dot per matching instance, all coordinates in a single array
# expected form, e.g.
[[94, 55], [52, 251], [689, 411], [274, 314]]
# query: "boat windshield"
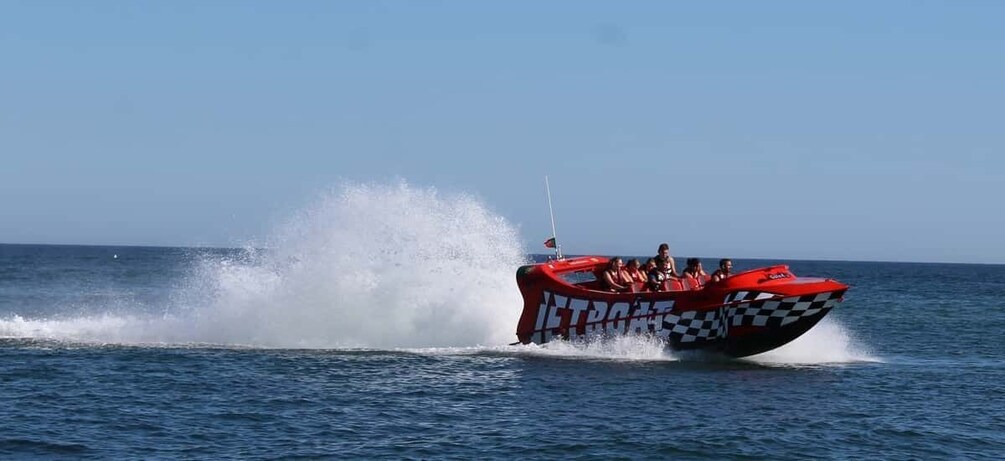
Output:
[[578, 278]]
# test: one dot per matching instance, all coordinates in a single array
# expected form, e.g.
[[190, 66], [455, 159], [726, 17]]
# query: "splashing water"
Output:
[[827, 342], [623, 348], [367, 266]]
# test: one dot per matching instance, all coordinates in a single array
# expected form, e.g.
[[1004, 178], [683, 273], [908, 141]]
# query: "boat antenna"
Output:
[[551, 211]]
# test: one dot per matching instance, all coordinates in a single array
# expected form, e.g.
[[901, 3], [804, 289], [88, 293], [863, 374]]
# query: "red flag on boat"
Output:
[[550, 243]]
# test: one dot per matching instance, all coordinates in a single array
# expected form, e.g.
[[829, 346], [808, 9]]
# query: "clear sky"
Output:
[[865, 130]]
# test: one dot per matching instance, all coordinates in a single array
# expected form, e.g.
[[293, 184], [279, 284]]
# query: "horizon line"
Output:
[[759, 258]]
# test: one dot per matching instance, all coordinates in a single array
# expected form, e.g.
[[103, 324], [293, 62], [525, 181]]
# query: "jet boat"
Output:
[[745, 314]]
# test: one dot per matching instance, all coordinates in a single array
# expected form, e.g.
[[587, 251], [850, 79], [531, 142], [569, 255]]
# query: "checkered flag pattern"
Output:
[[693, 326], [765, 309], [745, 308], [748, 296]]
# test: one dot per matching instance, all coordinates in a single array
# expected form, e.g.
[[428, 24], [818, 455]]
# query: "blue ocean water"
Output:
[[120, 352]]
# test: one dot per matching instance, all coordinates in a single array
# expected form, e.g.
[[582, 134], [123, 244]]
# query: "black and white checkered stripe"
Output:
[[766, 309], [710, 325], [748, 296], [745, 308], [693, 326]]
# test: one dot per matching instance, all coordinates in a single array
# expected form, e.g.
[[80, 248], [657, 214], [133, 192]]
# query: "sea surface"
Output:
[[133, 352]]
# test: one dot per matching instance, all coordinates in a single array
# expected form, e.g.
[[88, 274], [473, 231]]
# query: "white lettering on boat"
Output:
[[616, 316], [578, 307], [571, 317], [595, 316]]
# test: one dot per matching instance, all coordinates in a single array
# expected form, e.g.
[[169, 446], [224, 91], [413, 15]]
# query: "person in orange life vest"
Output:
[[615, 278], [694, 273], [635, 272], [725, 269]]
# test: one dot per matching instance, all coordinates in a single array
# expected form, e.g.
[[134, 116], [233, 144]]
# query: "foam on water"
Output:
[[621, 348], [634, 347], [366, 265], [826, 343]]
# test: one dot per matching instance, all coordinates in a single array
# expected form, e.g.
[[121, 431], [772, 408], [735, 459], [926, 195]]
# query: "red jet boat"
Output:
[[745, 314]]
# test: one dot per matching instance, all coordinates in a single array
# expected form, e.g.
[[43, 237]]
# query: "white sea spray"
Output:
[[364, 266]]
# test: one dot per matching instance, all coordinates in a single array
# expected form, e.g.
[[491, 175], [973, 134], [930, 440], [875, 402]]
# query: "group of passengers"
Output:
[[660, 273]]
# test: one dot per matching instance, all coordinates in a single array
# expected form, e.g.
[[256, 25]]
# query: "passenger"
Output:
[[659, 277], [700, 272], [650, 265], [664, 252], [694, 268], [635, 272], [689, 265], [615, 278], [695, 274], [725, 268]]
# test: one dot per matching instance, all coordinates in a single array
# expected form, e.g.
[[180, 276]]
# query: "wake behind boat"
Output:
[[745, 314]]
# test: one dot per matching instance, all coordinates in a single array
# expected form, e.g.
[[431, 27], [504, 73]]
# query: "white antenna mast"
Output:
[[551, 211]]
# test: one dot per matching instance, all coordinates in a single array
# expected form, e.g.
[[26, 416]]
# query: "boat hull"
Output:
[[746, 314]]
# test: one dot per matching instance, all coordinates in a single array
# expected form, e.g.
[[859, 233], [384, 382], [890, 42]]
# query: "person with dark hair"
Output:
[[659, 276], [688, 265], [664, 252], [725, 269], [694, 274], [615, 278]]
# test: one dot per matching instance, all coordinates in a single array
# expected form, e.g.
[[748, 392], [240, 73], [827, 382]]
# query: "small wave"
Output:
[[102, 328], [40, 447]]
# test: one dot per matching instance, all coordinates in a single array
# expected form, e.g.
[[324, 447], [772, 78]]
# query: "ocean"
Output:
[[371, 341]]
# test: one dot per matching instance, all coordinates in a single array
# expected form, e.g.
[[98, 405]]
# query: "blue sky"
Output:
[[838, 130]]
